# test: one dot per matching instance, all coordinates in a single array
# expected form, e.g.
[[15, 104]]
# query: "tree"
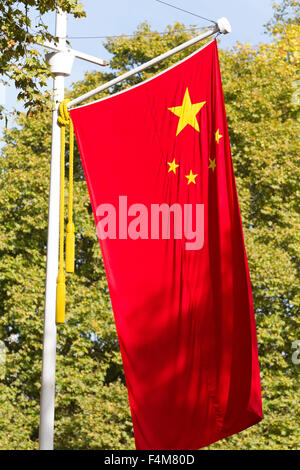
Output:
[[91, 406], [20, 61], [89, 376]]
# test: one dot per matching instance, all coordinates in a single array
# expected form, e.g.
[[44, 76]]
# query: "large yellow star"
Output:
[[191, 177], [187, 113], [172, 166]]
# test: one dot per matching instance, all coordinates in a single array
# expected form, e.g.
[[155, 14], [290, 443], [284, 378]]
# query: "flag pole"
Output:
[[221, 26], [46, 430], [60, 61]]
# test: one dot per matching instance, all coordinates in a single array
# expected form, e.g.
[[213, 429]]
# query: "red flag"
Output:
[[158, 167]]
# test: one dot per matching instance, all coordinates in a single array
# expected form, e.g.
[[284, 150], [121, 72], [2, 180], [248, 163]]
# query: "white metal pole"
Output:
[[46, 431]]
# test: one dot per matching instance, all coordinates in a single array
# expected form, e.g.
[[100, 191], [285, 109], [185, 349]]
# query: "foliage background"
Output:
[[92, 409], [19, 61]]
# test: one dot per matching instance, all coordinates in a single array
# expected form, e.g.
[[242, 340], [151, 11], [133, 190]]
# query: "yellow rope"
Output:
[[64, 120]]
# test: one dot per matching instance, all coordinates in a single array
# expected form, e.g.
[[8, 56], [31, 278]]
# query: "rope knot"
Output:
[[63, 116]]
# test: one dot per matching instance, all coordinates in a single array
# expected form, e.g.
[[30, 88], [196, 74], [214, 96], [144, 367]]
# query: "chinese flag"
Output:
[[181, 298]]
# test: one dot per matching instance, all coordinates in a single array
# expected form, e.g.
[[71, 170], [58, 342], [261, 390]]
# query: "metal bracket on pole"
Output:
[[73, 52], [224, 25]]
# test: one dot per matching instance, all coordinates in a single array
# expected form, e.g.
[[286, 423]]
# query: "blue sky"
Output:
[[116, 17]]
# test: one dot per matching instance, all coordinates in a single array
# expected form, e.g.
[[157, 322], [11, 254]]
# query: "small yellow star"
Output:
[[218, 136], [212, 164], [191, 177], [187, 113], [173, 165]]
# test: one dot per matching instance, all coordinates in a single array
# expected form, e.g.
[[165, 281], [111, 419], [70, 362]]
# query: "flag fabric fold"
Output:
[[158, 167]]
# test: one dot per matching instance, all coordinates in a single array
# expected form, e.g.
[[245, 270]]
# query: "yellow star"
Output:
[[212, 164], [187, 113], [173, 165], [191, 177], [218, 136]]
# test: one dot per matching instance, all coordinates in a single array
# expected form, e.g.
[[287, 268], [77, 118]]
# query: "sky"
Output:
[[116, 17]]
